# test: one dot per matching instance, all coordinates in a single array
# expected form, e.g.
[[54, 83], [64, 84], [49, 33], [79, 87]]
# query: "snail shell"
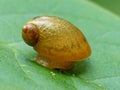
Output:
[[58, 43]]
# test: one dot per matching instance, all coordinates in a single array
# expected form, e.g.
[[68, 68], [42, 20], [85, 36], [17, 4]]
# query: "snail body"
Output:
[[58, 43]]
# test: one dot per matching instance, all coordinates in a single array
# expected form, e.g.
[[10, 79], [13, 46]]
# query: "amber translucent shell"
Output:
[[58, 42]]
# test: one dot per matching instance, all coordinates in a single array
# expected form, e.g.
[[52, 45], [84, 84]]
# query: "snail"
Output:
[[58, 42]]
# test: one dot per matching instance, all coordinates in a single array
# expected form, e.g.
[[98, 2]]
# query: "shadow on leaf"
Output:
[[79, 68]]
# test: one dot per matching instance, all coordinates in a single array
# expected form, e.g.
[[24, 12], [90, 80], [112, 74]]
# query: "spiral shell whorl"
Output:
[[30, 34]]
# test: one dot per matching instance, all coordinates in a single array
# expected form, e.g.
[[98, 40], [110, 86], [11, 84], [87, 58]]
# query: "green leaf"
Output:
[[112, 5], [18, 71]]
